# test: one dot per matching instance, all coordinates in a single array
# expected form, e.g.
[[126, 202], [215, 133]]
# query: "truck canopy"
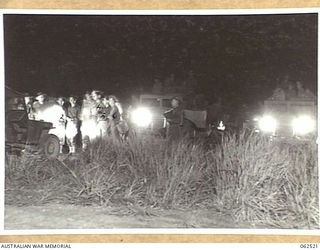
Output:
[[198, 118]]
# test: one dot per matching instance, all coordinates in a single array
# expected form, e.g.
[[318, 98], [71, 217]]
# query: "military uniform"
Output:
[[73, 115], [174, 122], [102, 113], [88, 123], [114, 119]]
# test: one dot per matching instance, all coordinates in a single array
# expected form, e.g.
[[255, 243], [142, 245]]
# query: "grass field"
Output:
[[249, 179]]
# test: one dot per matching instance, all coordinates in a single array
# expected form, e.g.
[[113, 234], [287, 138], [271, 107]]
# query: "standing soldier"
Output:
[[114, 117], [61, 101], [157, 86], [88, 121], [174, 120], [29, 106], [101, 114], [73, 115], [300, 90], [39, 106], [105, 111]]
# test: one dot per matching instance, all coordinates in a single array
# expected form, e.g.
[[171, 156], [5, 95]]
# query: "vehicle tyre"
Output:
[[50, 146]]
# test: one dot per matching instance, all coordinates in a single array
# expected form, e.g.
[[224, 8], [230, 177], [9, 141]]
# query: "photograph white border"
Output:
[[138, 12]]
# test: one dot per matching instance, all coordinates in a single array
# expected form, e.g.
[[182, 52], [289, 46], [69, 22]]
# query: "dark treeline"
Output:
[[241, 58]]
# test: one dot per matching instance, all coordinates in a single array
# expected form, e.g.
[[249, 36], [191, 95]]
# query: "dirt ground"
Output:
[[56, 216]]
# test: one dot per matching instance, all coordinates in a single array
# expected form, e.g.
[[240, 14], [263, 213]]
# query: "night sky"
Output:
[[241, 58]]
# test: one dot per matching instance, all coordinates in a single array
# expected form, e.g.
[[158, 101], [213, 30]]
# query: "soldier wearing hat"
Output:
[[73, 119]]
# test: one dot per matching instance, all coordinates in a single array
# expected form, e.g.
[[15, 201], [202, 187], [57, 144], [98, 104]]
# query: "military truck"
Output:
[[23, 134], [294, 117]]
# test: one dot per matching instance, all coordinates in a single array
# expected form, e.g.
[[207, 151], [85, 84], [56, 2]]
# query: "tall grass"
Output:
[[266, 184]]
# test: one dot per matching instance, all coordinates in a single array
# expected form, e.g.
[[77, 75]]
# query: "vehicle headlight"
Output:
[[142, 117], [268, 124], [303, 125]]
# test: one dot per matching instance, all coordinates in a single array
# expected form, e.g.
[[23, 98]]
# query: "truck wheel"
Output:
[[50, 146]]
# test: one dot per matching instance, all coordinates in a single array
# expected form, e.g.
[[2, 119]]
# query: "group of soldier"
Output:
[[95, 115], [290, 91]]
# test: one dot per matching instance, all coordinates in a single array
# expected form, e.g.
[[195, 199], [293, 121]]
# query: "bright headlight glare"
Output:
[[142, 117], [303, 125], [268, 124]]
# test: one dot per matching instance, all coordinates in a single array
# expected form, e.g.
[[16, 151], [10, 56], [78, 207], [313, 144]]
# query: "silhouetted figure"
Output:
[[278, 95], [157, 86], [73, 119], [114, 117], [170, 84], [29, 106], [88, 120], [290, 92], [174, 120], [100, 112]]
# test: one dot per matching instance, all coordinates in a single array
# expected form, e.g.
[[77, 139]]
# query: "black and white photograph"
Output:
[[161, 121]]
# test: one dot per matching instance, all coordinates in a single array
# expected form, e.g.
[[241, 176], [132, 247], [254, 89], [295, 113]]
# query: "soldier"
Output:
[[88, 121], [157, 86], [134, 104], [304, 93], [63, 103], [174, 120], [278, 95], [309, 94], [100, 113], [62, 125], [40, 105], [300, 90], [114, 117], [29, 106], [290, 92], [73, 118]]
